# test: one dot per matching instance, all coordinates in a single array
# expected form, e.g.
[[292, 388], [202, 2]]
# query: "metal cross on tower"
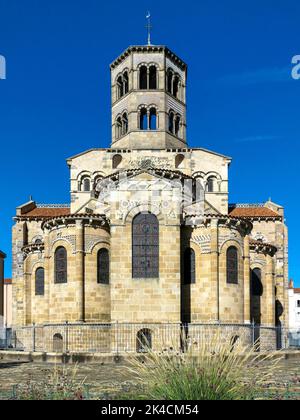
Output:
[[149, 27]]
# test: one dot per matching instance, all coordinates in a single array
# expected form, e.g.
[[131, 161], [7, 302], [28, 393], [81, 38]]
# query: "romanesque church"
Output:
[[149, 236]]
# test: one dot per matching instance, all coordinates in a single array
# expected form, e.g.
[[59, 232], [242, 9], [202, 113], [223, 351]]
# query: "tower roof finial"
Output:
[[149, 27]]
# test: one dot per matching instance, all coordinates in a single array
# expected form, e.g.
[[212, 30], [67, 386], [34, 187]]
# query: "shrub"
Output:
[[211, 370]]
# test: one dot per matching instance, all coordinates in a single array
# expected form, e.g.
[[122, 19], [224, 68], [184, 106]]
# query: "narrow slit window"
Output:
[[153, 78], [61, 266], [143, 119], [232, 265], [143, 78], [40, 282], [171, 123], [103, 266], [153, 119]]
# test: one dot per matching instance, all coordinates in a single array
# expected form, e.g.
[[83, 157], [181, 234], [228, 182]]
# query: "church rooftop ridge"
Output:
[[52, 206], [2, 254], [252, 211], [246, 205]]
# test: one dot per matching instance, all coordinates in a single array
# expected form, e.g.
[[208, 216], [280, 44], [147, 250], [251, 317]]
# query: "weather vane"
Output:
[[149, 27]]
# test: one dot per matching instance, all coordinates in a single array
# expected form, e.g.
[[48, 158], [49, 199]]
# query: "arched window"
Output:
[[189, 266], [198, 190], [119, 128], [126, 82], [211, 182], [144, 341], [176, 83], [40, 282], [103, 266], [124, 124], [177, 125], [97, 179], [178, 161], [120, 87], [153, 77], [148, 119], [153, 119], [171, 122], [170, 81], [232, 265], [143, 78], [143, 119], [61, 265], [116, 162], [86, 184], [58, 343], [145, 246]]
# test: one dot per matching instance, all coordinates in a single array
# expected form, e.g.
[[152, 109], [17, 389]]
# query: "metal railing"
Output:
[[6, 338], [128, 337], [294, 338]]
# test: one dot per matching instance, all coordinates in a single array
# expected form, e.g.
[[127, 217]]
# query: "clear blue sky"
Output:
[[242, 100]]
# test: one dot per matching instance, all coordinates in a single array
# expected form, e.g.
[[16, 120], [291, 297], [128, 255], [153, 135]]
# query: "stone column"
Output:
[[80, 277], [148, 119], [270, 292], [19, 302], [1, 286], [148, 78], [247, 319], [215, 291], [49, 279], [28, 292]]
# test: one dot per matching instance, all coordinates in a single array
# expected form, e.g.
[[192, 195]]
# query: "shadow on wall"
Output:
[[257, 291]]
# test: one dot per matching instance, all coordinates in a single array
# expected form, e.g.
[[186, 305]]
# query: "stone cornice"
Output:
[[125, 174], [165, 173], [263, 248], [25, 218], [32, 248], [243, 225], [150, 49], [86, 219]]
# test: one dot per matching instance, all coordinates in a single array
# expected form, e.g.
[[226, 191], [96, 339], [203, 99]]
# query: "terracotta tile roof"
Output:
[[48, 212], [297, 291], [252, 212], [7, 281]]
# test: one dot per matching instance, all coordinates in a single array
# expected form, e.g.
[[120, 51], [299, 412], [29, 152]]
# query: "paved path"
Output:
[[99, 378], [103, 378]]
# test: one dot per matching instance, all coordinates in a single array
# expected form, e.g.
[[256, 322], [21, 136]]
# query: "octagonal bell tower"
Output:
[[148, 99]]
